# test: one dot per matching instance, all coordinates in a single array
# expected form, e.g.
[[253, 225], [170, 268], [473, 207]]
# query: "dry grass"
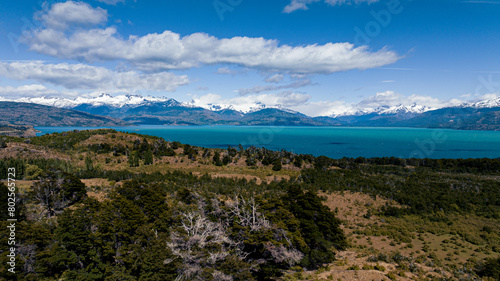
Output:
[[25, 151], [435, 252]]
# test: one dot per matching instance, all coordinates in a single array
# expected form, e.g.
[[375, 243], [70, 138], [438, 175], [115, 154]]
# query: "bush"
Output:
[[489, 268], [277, 165]]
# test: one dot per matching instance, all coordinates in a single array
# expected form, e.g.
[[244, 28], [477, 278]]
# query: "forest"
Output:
[[107, 205]]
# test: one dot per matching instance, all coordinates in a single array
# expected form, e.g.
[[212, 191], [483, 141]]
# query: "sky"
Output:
[[318, 57]]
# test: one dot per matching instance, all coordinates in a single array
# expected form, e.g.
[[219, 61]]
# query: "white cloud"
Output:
[[323, 108], [390, 98], [225, 70], [288, 99], [252, 102], [302, 4], [63, 15], [267, 88], [82, 76], [372, 103], [490, 96], [302, 103], [276, 78], [33, 90], [168, 50]]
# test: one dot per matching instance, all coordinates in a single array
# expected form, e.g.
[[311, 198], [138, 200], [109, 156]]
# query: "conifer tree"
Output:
[[216, 158], [148, 157], [89, 165], [277, 165]]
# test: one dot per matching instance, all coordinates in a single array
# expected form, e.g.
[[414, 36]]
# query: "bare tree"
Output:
[[247, 214], [201, 243]]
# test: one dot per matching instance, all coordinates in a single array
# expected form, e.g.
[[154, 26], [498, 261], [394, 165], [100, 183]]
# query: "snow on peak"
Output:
[[101, 100], [488, 103], [386, 110], [404, 109]]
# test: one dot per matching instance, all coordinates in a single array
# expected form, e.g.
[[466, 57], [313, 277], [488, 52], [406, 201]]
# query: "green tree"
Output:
[[226, 159], [133, 159], [58, 190], [489, 268], [3, 144], [277, 165], [148, 157], [319, 227], [89, 165], [32, 172], [322, 162], [216, 158], [297, 161]]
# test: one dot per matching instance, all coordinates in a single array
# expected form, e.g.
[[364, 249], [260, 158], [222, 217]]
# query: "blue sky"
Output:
[[319, 57]]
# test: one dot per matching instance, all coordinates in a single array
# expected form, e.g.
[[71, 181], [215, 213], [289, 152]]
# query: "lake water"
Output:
[[334, 142]]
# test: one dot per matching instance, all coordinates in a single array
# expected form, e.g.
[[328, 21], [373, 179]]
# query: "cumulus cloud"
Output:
[[63, 15], [33, 90], [267, 88], [302, 4], [286, 99], [302, 103], [391, 98], [169, 50], [373, 103], [82, 76], [323, 108]]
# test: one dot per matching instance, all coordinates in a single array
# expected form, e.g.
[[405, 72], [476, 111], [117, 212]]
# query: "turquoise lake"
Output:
[[334, 142]]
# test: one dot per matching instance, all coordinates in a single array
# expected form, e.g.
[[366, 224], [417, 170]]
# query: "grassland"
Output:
[[450, 243]]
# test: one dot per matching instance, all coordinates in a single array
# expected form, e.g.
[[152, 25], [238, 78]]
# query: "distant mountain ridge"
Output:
[[19, 113], [135, 109]]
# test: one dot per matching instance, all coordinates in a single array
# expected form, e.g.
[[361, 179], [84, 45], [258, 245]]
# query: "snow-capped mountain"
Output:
[[404, 109], [129, 101], [399, 109], [242, 108], [411, 110], [132, 101], [162, 110], [102, 100], [489, 103]]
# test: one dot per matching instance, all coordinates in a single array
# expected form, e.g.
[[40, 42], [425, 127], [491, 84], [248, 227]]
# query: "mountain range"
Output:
[[135, 109], [21, 113]]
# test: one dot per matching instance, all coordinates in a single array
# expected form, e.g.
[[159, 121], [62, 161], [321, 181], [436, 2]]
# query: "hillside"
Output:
[[461, 118], [137, 206], [41, 115], [468, 118], [24, 131]]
